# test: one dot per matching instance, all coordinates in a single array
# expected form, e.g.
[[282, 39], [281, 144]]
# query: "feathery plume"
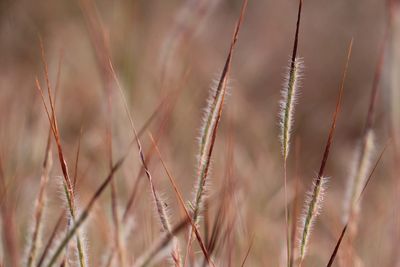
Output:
[[209, 129], [41, 198], [212, 117], [312, 207], [160, 206]]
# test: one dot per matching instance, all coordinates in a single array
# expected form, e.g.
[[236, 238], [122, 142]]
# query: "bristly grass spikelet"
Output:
[[212, 119], [289, 91], [315, 202], [41, 198], [209, 130]]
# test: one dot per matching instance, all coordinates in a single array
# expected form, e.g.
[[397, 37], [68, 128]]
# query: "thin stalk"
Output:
[[209, 131], [40, 204], [182, 203], [54, 127], [86, 211], [314, 203], [287, 112], [345, 227], [161, 209]]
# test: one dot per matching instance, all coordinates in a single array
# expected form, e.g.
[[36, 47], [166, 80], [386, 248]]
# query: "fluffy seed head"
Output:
[[312, 207], [211, 117], [287, 104]]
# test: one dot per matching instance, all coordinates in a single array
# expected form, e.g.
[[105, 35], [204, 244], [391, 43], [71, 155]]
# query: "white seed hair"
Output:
[[289, 93], [311, 210], [217, 93]]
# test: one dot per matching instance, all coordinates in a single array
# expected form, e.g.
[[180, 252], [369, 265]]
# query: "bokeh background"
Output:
[[170, 52]]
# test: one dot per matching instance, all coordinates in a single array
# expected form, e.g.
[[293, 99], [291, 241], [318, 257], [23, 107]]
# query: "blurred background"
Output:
[[166, 55]]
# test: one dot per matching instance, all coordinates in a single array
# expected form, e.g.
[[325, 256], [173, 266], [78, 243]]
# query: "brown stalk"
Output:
[[46, 166], [160, 244], [182, 202], [335, 115], [339, 241], [53, 121], [286, 125], [69, 190], [314, 200], [159, 204], [104, 59], [86, 211], [167, 104], [209, 135], [224, 222]]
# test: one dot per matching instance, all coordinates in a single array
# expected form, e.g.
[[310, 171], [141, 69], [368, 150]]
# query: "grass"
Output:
[[313, 204], [129, 186], [289, 94], [67, 182], [209, 130]]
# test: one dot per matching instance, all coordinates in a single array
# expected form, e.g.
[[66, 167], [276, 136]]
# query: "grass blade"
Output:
[[289, 93], [86, 211]]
